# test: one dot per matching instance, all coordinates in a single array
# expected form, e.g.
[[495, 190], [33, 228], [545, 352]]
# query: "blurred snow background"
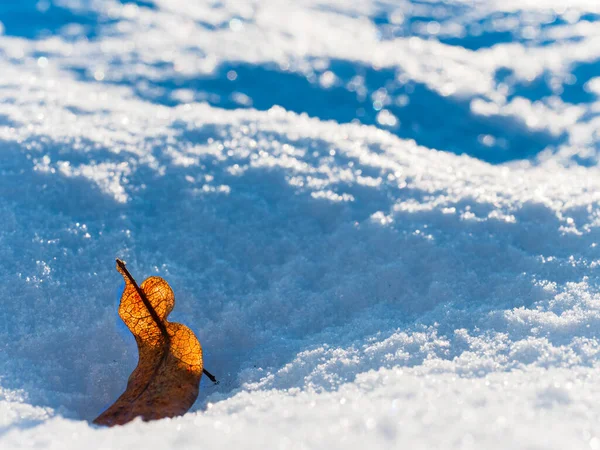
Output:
[[381, 218]]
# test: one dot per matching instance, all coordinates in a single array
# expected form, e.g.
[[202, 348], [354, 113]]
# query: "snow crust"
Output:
[[380, 218]]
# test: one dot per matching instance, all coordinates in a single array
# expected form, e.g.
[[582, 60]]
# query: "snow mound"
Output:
[[355, 277]]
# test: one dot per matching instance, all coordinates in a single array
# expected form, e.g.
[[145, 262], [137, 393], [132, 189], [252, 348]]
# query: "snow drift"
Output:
[[380, 220]]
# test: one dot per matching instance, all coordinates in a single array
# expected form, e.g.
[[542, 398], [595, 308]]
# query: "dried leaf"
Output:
[[165, 382]]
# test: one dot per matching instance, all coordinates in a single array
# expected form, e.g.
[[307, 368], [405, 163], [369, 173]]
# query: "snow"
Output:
[[380, 218]]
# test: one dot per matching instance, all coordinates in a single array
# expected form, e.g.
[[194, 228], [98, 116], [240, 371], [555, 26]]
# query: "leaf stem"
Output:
[[210, 376]]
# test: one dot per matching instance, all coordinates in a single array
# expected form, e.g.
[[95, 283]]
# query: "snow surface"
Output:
[[381, 219]]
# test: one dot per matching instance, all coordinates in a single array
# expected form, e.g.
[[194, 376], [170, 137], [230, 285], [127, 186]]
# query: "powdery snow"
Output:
[[353, 283]]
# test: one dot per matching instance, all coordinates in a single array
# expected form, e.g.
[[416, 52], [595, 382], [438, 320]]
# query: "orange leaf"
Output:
[[165, 382]]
